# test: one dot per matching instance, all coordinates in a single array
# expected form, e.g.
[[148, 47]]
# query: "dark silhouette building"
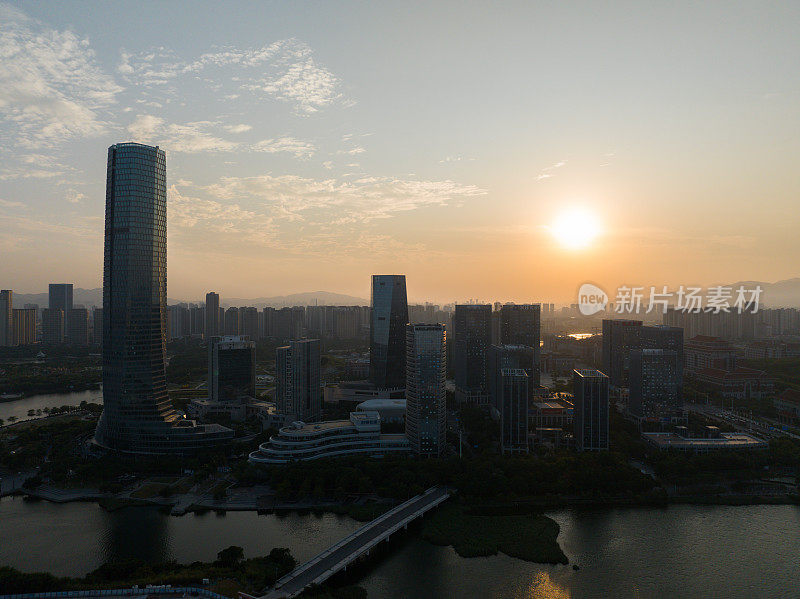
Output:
[[472, 336], [426, 410], [520, 324], [590, 410]]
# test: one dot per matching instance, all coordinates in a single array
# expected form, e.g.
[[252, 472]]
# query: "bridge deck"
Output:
[[330, 561]]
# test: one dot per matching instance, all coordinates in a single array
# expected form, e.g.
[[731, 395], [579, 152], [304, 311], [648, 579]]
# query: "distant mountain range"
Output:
[[782, 294], [94, 297]]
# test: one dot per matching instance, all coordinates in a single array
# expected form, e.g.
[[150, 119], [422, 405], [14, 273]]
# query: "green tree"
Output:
[[231, 556]]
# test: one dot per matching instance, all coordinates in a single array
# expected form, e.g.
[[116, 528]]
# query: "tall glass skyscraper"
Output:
[[426, 409], [387, 332], [137, 414], [472, 337]]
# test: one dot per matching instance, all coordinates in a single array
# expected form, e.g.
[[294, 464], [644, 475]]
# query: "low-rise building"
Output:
[[715, 441], [551, 413], [788, 406], [738, 383], [390, 410], [360, 435]]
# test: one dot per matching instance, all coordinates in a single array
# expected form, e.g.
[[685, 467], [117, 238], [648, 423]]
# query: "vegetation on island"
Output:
[[229, 574], [475, 533]]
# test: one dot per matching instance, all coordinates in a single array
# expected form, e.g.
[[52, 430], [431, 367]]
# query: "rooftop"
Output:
[[724, 441]]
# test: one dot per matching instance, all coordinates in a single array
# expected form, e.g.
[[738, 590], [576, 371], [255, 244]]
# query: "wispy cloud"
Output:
[[199, 137], [549, 171], [51, 87]]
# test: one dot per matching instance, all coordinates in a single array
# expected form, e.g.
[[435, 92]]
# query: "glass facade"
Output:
[[472, 336], [426, 411], [520, 324], [297, 380], [387, 336], [138, 416]]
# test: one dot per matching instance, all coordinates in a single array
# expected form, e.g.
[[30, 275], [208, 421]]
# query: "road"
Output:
[[353, 546]]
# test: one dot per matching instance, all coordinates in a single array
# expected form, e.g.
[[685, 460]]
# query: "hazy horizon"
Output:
[[511, 152]]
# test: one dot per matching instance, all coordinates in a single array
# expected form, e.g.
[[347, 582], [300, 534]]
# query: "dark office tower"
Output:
[[500, 357], [656, 384], [231, 368], [520, 324], [61, 297], [137, 414], [52, 326], [387, 333], [24, 326], [591, 410], [77, 327], [97, 326], [472, 336], [513, 400], [620, 338], [426, 411], [213, 328], [664, 337], [6, 318], [297, 380]]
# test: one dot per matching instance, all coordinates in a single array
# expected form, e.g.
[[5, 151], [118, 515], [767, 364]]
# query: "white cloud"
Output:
[[10, 204], [238, 128], [549, 171], [75, 197], [51, 87], [301, 149]]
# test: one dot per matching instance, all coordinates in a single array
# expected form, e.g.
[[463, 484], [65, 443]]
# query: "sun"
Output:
[[576, 228]]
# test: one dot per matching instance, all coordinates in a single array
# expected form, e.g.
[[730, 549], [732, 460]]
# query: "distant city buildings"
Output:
[[388, 331], [472, 336], [77, 327], [60, 298], [53, 325], [591, 410], [24, 320], [426, 411], [298, 394], [6, 318], [137, 413]]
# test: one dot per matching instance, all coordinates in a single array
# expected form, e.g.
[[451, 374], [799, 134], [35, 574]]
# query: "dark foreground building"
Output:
[[137, 414]]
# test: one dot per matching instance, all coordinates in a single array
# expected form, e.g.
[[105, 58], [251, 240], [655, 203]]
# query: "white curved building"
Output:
[[360, 435]]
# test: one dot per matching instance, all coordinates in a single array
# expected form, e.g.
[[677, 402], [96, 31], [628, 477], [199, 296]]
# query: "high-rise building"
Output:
[[513, 400], [213, 324], [656, 384], [590, 410], [426, 411], [623, 337], [77, 327], [60, 298], [231, 368], [520, 324], [387, 334], [297, 380], [137, 414], [472, 336], [506, 356], [250, 325], [620, 338], [97, 326], [233, 322], [6, 318], [24, 326], [53, 326]]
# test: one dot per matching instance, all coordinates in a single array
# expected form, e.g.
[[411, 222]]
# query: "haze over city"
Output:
[[498, 152]]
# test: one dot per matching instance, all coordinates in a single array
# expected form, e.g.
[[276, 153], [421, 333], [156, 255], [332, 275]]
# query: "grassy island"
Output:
[[531, 537]]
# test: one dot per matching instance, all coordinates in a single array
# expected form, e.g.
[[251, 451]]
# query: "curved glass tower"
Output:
[[137, 414]]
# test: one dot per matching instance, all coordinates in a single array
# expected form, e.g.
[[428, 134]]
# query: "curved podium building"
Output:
[[137, 414]]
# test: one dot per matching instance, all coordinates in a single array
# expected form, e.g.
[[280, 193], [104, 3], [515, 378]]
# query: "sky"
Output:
[[491, 151]]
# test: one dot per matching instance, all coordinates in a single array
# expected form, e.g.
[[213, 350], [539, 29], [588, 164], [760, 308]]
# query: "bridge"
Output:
[[336, 558]]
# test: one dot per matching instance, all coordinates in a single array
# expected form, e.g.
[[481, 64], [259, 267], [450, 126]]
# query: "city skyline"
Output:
[[311, 160]]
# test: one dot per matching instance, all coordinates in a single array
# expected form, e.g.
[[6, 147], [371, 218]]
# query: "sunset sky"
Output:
[[496, 151]]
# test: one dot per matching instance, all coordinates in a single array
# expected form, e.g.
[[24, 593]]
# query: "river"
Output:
[[678, 551], [20, 407]]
